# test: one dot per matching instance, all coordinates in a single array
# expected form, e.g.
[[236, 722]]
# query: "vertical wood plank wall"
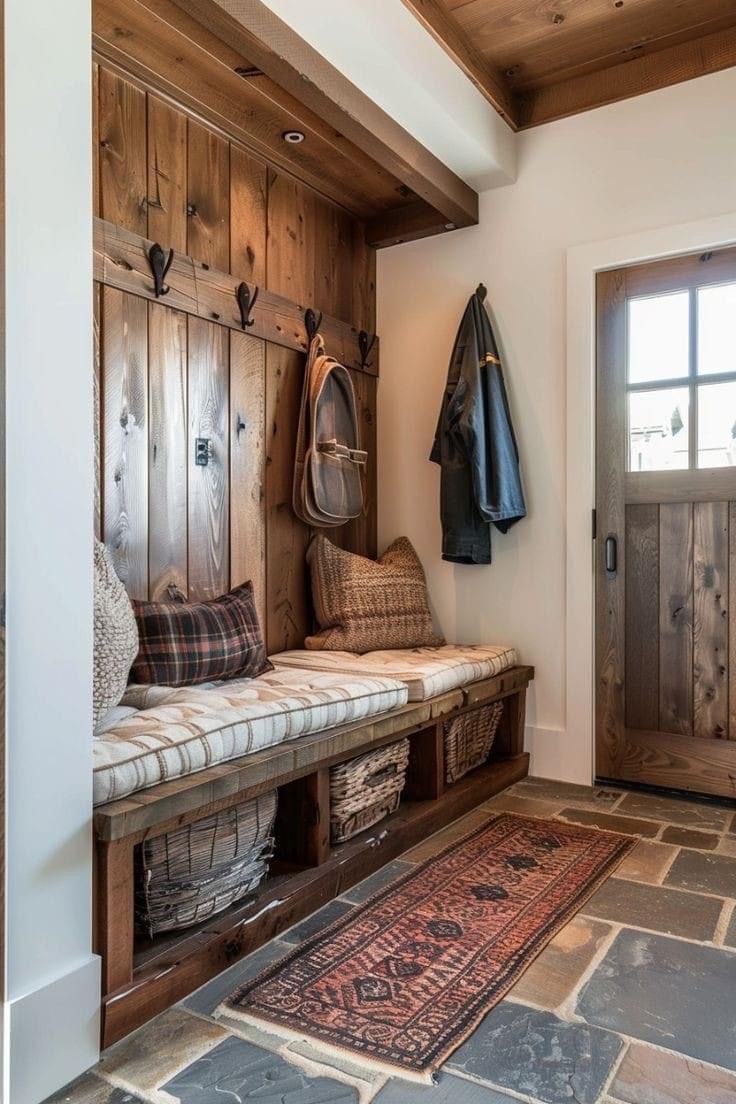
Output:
[[680, 586], [177, 530]]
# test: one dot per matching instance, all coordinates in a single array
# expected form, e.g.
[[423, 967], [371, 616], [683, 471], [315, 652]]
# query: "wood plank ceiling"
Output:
[[539, 60], [255, 80]]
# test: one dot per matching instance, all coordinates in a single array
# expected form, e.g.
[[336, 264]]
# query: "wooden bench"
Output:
[[142, 977]]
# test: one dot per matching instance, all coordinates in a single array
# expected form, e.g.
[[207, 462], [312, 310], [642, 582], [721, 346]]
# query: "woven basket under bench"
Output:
[[367, 789], [197, 871], [469, 739]]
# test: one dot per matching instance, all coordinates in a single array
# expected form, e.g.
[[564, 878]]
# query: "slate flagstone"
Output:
[[538, 1055], [238, 1072], [676, 994]]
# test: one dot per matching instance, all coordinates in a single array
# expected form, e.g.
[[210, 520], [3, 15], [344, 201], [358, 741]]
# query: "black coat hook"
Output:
[[312, 323], [366, 342], [481, 291], [246, 304], [160, 265]]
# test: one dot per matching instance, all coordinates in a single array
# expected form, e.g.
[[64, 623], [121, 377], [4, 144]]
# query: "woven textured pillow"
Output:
[[365, 605], [185, 644], [115, 635]]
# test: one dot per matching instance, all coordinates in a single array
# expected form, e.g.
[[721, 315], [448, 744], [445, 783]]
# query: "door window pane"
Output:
[[659, 329], [658, 429], [717, 329], [717, 425]]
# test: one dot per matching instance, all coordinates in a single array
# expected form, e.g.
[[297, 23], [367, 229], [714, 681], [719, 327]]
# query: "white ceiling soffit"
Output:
[[384, 50]]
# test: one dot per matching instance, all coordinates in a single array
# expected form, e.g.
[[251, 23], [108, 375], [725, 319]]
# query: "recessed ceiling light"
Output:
[[293, 137]]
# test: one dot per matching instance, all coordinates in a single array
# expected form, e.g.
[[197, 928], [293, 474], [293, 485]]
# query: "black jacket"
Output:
[[475, 445]]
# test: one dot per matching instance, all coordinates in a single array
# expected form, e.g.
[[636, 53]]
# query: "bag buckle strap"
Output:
[[336, 448]]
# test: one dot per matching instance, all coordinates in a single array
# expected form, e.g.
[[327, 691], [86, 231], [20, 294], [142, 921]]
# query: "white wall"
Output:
[[654, 161], [52, 977], [384, 50]]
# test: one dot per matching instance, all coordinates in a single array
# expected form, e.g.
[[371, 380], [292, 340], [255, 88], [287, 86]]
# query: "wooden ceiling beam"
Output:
[[251, 28], [687, 60], [448, 32], [403, 224]]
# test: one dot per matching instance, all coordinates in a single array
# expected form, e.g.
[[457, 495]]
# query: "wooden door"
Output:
[[666, 524]]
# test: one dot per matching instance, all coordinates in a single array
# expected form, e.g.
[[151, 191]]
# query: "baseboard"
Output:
[[553, 757], [54, 1033]]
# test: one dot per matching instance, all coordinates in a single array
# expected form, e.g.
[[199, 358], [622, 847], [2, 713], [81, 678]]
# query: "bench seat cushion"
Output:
[[426, 672], [159, 733]]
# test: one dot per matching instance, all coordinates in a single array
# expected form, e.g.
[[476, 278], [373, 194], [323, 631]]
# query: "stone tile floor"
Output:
[[633, 1002]]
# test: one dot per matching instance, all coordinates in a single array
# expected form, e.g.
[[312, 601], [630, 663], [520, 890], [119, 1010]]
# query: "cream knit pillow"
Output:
[[116, 635]]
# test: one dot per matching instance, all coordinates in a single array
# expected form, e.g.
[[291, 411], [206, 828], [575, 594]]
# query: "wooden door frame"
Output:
[[584, 262]]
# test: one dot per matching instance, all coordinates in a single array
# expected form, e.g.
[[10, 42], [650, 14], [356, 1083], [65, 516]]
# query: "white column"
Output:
[[52, 978]]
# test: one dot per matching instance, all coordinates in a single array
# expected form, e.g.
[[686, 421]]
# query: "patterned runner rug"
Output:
[[402, 980]]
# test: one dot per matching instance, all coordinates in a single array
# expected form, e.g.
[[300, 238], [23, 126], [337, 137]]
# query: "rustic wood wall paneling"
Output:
[[209, 486], [291, 239], [248, 192], [248, 465], [676, 617], [167, 175], [97, 402], [333, 260], [642, 616], [121, 260], [168, 376], [95, 139], [208, 196], [125, 436], [167, 443], [363, 313], [122, 143], [288, 616], [710, 624]]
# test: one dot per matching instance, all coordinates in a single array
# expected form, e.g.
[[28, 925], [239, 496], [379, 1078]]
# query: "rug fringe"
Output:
[[329, 1050]]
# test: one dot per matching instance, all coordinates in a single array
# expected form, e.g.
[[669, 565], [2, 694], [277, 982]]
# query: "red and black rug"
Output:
[[403, 979]]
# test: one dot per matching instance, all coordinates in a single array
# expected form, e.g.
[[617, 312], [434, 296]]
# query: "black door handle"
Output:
[[611, 553]]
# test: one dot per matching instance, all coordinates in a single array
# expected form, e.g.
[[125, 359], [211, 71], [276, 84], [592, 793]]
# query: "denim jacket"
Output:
[[475, 445]]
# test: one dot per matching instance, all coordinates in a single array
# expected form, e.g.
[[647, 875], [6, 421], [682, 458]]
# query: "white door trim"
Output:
[[583, 262]]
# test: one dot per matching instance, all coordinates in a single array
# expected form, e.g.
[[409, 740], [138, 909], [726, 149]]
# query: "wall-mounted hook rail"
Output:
[[312, 323], [246, 304], [366, 342], [160, 265]]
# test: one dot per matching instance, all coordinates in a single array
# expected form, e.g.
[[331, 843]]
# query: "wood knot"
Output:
[[231, 950]]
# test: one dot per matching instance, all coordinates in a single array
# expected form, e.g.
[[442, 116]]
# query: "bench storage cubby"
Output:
[[192, 873], [365, 790], [469, 739], [143, 976]]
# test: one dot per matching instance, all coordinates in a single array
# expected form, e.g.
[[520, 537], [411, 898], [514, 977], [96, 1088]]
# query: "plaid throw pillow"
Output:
[[181, 645]]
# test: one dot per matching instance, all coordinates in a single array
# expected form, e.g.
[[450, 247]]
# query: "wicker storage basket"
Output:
[[199, 870], [366, 789], [469, 739]]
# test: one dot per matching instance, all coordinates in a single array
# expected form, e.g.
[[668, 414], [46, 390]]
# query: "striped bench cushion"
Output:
[[159, 733]]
